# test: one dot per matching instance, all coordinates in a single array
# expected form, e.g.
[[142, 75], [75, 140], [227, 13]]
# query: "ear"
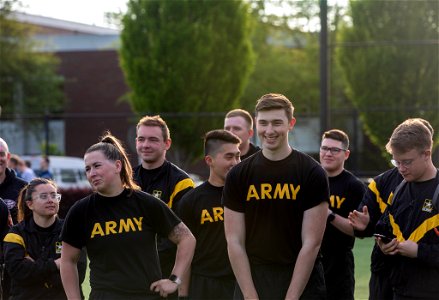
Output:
[[29, 204], [292, 123], [118, 165], [168, 143], [208, 159], [346, 154], [250, 132]]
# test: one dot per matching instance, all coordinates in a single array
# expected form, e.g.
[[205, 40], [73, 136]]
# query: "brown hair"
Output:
[[243, 114], [156, 121], [214, 139], [25, 194], [410, 134], [113, 150], [338, 135], [275, 101]]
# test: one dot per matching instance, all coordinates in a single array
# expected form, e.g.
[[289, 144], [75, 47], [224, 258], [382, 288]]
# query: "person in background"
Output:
[[159, 177], [240, 122], [276, 204], [346, 192], [44, 171], [13, 163], [32, 248], [26, 173], [118, 224], [211, 276]]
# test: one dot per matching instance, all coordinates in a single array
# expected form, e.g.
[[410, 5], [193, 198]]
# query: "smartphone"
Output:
[[384, 238]]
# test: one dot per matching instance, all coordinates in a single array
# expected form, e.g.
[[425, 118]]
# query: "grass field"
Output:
[[362, 251]]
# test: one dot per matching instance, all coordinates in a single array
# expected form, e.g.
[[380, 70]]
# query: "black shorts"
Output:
[[106, 295], [204, 288], [339, 275], [272, 282]]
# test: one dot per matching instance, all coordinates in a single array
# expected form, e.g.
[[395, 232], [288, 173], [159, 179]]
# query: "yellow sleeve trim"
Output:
[[14, 238], [373, 187], [180, 186]]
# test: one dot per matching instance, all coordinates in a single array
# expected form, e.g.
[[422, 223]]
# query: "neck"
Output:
[[244, 147], [44, 221], [154, 164], [215, 180], [112, 192], [430, 173], [2, 177], [334, 172], [277, 154]]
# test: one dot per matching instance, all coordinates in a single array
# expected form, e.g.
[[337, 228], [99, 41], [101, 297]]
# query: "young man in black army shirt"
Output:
[[346, 192], [276, 204], [159, 177], [211, 276]]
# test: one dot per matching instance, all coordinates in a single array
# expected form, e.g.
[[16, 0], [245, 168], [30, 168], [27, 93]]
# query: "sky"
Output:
[[83, 11]]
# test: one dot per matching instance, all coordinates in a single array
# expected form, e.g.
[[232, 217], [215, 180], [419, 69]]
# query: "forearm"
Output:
[[70, 279], [185, 253], [343, 225], [183, 289], [241, 268], [302, 271]]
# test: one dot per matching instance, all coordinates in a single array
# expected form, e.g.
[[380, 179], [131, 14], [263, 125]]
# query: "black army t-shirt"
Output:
[[120, 236], [201, 210], [274, 195]]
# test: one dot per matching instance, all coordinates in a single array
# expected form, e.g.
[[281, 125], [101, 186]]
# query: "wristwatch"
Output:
[[175, 279], [331, 217]]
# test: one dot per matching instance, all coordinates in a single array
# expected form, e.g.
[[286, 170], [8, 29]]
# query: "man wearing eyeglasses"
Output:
[[346, 192], [412, 219]]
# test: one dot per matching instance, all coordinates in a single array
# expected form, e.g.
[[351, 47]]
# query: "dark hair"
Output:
[[410, 134], [214, 139], [46, 159], [155, 121], [113, 150], [338, 135], [25, 194], [275, 101], [243, 114]]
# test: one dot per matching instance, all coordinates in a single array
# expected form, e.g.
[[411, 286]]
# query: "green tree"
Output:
[[389, 56], [28, 79], [186, 57]]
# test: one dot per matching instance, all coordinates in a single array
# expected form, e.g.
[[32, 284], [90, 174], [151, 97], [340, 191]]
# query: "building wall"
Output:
[[94, 86]]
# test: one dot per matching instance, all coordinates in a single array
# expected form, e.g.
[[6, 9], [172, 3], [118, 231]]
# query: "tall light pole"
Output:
[[324, 107]]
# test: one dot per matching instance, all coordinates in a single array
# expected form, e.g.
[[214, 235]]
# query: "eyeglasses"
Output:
[[404, 163], [45, 196], [333, 150]]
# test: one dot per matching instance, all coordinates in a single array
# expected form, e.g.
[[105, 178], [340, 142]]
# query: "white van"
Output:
[[68, 172]]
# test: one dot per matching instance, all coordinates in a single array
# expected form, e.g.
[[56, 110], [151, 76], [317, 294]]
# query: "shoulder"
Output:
[[175, 170]]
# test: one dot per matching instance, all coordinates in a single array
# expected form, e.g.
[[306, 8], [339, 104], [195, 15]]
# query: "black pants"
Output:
[[380, 287], [112, 295], [339, 275], [272, 282], [210, 288]]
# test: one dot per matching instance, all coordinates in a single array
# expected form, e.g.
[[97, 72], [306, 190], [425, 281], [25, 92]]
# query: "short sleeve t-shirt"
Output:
[[274, 195], [120, 236], [201, 210]]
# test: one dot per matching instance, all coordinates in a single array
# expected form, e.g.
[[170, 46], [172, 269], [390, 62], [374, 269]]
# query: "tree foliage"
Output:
[[389, 57], [28, 80], [186, 57]]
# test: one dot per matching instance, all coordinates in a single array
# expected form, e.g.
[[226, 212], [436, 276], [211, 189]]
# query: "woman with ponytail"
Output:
[[118, 225], [32, 248]]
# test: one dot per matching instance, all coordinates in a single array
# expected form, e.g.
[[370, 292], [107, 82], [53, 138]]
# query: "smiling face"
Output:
[[44, 202], [273, 128], [221, 162], [239, 126], [151, 146], [103, 174], [333, 156]]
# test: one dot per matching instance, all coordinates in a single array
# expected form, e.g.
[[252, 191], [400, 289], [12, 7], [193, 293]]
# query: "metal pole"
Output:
[[324, 111], [46, 133]]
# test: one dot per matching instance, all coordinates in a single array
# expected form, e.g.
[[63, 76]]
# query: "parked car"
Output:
[[68, 172]]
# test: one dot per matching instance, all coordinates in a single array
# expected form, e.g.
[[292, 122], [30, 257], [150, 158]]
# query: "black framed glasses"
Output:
[[333, 150]]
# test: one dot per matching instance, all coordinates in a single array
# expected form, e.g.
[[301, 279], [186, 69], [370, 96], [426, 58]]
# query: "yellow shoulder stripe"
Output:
[[14, 238], [180, 186], [419, 232], [373, 187]]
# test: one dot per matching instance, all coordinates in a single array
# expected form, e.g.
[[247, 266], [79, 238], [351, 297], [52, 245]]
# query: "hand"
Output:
[[390, 248], [408, 248], [164, 286], [359, 220]]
